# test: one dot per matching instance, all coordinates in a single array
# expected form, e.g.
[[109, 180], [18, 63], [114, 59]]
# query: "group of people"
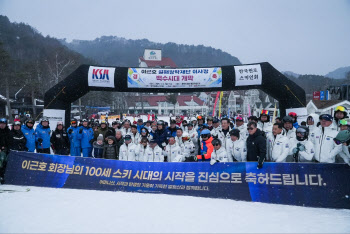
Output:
[[323, 138]]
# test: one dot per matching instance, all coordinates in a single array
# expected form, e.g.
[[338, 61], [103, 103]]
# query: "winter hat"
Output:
[[127, 137], [100, 137], [326, 117], [234, 132]]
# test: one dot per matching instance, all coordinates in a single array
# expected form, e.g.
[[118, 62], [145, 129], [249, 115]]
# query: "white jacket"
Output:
[[344, 153], [135, 138], [173, 152], [126, 131], [291, 133], [277, 148], [154, 155], [221, 136], [188, 149], [220, 155], [179, 141], [265, 127], [306, 155], [325, 147], [141, 153], [236, 150], [243, 132], [128, 152], [314, 131], [194, 137]]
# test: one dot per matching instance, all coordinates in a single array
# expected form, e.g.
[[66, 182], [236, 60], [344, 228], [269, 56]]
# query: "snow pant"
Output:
[[43, 151], [63, 151], [75, 151], [87, 152]]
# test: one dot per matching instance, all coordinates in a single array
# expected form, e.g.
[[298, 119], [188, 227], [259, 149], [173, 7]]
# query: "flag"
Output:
[[216, 101], [221, 94]]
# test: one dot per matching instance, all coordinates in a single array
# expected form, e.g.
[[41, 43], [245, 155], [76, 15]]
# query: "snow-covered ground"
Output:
[[47, 210]]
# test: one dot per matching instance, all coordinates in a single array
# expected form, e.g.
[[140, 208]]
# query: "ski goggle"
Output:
[[205, 135], [301, 130], [73, 122], [17, 123], [239, 118], [199, 117], [143, 131], [3, 120], [343, 122], [340, 108]]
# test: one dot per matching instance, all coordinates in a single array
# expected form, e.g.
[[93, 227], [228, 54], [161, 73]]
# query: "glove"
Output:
[[260, 163], [165, 158], [70, 131], [302, 147], [212, 162], [80, 131], [295, 150], [91, 141], [40, 140], [163, 144]]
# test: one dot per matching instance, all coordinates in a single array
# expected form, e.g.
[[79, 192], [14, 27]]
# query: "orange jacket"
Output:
[[206, 150]]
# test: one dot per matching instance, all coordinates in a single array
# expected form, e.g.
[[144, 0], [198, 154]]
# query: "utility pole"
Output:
[[80, 109]]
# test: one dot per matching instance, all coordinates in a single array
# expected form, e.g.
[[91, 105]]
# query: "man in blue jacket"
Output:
[[87, 139], [29, 134], [42, 136], [161, 135], [75, 138], [139, 125]]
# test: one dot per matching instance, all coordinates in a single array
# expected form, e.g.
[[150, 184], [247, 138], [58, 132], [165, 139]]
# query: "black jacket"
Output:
[[5, 138], [256, 146], [59, 139], [119, 143], [17, 140]]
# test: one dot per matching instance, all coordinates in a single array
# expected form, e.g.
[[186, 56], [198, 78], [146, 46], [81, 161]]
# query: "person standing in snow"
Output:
[[29, 134], [256, 145], [59, 140], [301, 147], [42, 136], [325, 148], [74, 138]]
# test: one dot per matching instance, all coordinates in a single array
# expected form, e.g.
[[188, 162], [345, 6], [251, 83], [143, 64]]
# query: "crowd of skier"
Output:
[[323, 139]]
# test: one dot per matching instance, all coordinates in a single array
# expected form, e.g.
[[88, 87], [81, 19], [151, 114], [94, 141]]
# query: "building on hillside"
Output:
[[160, 104], [152, 58], [326, 107]]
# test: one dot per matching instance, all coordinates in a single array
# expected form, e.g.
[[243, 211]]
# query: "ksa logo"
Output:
[[100, 74]]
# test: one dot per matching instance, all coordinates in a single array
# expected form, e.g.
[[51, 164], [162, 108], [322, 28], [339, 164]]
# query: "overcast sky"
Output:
[[303, 36]]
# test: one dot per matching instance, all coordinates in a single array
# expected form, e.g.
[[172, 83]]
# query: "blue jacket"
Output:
[[172, 131], [29, 134], [87, 136], [296, 125], [43, 133], [139, 128], [74, 137], [161, 136]]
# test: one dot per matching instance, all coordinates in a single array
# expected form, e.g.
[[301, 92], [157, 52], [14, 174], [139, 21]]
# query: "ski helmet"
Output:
[[73, 121], [186, 136], [287, 119], [45, 119], [342, 137], [303, 131], [265, 113], [3, 120], [235, 132], [216, 141]]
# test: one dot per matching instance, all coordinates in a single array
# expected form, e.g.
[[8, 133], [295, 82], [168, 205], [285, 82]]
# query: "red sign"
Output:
[[316, 95]]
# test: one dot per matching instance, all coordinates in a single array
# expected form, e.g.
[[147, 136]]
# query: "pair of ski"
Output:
[[14, 190]]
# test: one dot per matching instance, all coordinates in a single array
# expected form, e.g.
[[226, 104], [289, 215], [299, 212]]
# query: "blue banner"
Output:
[[302, 184], [322, 95]]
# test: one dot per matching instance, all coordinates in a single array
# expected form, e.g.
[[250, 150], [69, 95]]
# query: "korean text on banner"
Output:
[[175, 78], [101, 76], [248, 75]]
